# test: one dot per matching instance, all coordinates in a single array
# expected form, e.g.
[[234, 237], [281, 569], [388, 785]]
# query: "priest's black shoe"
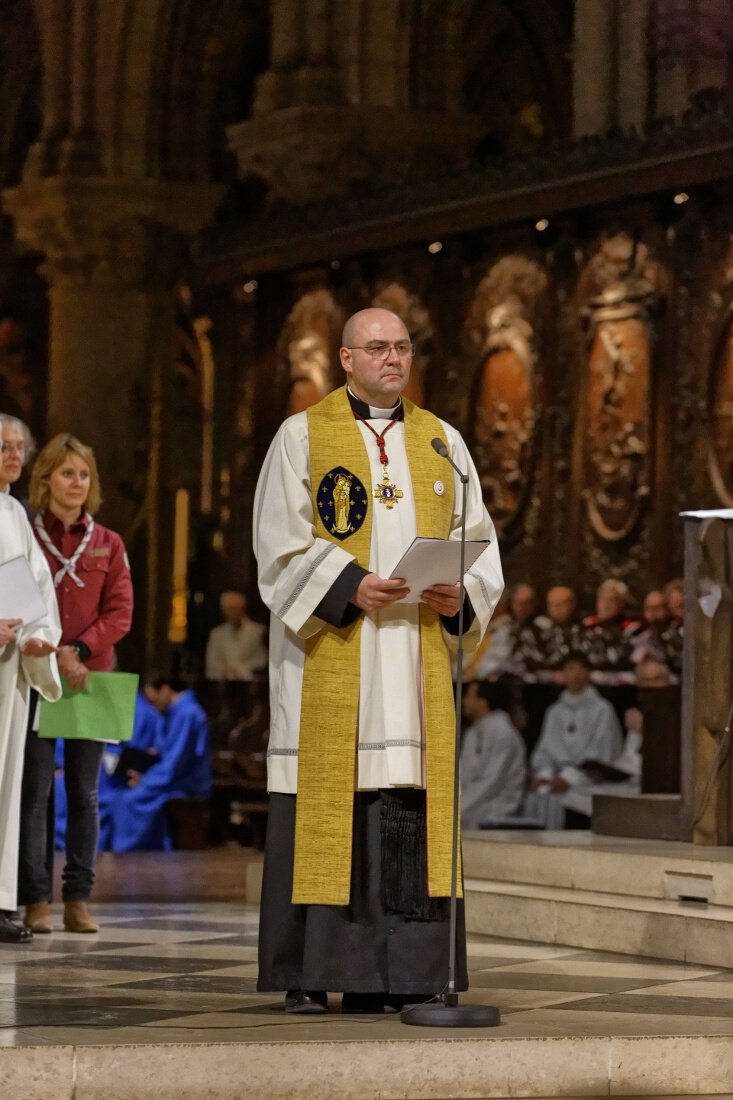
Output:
[[12, 929], [364, 1004], [298, 1002]]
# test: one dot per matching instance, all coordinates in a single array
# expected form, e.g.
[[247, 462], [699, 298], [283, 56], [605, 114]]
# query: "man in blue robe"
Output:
[[137, 817], [147, 734]]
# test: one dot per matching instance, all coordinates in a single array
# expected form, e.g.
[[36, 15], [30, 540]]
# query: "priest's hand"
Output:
[[443, 598], [36, 647], [376, 592], [7, 630]]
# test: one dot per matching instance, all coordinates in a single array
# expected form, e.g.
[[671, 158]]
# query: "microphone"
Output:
[[438, 445]]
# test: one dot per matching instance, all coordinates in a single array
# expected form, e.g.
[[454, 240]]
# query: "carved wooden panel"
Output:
[[503, 417], [618, 290], [308, 344]]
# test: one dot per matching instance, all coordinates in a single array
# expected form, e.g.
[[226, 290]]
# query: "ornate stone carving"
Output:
[[501, 336], [109, 233], [308, 153], [618, 289]]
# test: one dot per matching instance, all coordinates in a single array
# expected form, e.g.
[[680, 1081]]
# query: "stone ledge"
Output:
[[430, 1068]]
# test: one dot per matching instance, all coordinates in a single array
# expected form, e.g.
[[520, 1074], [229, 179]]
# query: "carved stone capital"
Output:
[[307, 153], [109, 232]]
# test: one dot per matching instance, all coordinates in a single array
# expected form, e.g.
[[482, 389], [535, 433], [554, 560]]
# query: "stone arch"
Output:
[[465, 51], [137, 91]]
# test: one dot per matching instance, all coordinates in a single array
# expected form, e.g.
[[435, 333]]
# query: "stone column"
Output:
[[633, 67], [594, 67], [113, 253]]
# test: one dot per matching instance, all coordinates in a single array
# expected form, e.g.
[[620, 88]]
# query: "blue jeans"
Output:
[[82, 761]]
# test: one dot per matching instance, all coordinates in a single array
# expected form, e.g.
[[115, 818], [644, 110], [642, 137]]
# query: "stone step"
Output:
[[665, 870], [432, 1067], [684, 932]]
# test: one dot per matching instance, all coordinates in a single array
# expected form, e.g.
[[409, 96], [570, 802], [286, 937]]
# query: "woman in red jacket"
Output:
[[94, 591]]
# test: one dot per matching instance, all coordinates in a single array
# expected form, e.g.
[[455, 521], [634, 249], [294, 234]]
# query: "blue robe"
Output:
[[146, 734], [138, 818]]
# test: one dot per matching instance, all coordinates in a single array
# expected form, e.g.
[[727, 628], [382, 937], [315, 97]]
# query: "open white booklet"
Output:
[[20, 596], [434, 561]]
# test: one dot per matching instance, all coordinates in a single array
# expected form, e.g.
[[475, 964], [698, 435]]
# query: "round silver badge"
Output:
[[439, 488]]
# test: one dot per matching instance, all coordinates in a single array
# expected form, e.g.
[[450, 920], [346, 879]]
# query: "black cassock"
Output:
[[387, 940]]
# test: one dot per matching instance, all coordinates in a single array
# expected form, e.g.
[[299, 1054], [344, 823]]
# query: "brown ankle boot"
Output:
[[37, 917], [77, 918]]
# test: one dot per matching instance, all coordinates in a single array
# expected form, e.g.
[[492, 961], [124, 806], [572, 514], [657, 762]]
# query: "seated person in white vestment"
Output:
[[580, 726], [356, 885], [27, 660], [236, 649], [493, 756], [623, 775]]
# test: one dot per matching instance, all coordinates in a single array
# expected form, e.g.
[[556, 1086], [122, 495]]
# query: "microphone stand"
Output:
[[447, 1012]]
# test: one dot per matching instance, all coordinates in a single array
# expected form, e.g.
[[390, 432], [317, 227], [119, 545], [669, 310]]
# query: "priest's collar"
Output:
[[370, 412]]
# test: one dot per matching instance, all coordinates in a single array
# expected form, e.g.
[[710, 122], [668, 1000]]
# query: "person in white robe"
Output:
[[309, 583], [624, 774], [581, 726], [236, 648], [27, 660], [493, 757]]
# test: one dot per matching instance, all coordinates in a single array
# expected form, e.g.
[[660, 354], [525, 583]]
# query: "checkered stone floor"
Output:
[[186, 973]]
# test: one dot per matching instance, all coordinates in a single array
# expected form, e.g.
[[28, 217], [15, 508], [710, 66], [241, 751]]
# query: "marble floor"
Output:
[[181, 969], [186, 972]]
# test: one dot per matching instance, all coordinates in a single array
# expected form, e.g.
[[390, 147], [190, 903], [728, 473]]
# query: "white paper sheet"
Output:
[[434, 561], [20, 596], [709, 513]]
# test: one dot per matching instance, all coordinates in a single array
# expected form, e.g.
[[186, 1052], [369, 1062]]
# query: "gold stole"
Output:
[[331, 677]]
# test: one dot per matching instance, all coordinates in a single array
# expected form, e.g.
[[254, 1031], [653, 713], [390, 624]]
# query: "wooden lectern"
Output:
[[706, 815], [703, 811]]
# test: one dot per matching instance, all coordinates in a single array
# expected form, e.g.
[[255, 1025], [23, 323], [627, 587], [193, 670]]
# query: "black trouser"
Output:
[[82, 760]]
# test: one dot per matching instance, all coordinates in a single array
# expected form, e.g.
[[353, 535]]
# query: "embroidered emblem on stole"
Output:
[[342, 503]]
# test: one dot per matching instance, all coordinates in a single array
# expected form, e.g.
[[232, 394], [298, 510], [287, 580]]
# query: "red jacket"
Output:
[[99, 614]]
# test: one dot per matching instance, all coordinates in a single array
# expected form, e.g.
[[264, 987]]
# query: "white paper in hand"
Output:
[[434, 561], [20, 596]]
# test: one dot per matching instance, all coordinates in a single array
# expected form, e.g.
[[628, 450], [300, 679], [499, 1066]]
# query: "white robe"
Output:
[[580, 798], [493, 770], [579, 726], [17, 674], [236, 653], [297, 569]]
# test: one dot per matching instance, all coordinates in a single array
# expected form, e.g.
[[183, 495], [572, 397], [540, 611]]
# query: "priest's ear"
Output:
[[345, 356]]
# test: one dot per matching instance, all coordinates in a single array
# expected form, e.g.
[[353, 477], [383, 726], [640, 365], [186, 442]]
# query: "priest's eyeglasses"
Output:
[[380, 351], [8, 448]]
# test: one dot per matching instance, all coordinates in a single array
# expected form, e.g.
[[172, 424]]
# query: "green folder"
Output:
[[104, 711]]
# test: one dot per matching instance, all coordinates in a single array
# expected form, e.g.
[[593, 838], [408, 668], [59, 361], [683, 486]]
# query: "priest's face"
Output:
[[378, 358]]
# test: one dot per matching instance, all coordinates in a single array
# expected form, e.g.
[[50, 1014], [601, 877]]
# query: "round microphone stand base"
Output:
[[443, 1013]]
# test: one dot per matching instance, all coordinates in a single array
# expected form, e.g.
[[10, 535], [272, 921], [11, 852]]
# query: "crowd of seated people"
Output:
[[571, 686]]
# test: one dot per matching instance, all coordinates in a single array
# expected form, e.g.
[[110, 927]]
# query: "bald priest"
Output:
[[361, 754]]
